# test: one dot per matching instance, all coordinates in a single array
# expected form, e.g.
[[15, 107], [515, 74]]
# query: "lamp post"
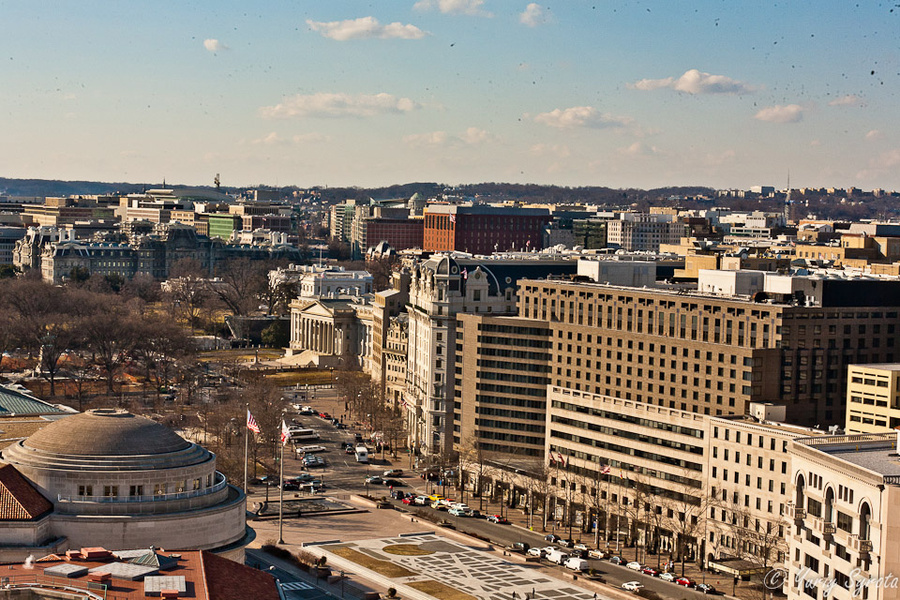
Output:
[[342, 584]]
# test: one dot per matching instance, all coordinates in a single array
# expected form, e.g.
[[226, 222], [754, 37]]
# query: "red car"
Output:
[[497, 519], [324, 415], [650, 571], [409, 500], [684, 581]]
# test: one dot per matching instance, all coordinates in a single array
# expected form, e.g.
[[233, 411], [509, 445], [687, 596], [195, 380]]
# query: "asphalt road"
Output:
[[343, 475]]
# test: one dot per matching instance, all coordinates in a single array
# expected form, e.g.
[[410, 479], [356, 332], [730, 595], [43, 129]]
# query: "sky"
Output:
[[725, 94]]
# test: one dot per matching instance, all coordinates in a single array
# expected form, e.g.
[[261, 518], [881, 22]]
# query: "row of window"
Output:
[[158, 489]]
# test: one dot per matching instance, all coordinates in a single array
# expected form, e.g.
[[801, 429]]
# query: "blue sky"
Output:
[[622, 94]]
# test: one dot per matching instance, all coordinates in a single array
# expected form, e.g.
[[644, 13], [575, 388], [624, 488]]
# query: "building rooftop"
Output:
[[874, 452], [106, 432], [195, 574]]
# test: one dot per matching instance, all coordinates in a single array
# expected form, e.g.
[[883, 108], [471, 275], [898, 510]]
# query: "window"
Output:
[[85, 490], [196, 484], [110, 490], [136, 490], [159, 489]]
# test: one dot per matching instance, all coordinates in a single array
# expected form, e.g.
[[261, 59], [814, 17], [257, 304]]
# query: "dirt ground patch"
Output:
[[407, 550], [382, 567], [286, 378], [439, 590]]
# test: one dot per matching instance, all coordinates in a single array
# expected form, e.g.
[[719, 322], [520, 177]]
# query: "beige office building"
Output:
[[845, 538], [873, 398]]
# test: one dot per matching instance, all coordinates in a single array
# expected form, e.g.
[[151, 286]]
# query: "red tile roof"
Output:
[[228, 580], [19, 500]]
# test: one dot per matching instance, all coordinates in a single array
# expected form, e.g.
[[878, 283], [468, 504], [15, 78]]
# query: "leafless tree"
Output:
[[241, 283], [188, 290], [686, 505]]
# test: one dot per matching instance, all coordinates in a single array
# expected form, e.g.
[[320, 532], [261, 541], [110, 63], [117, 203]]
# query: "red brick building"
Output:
[[401, 234], [484, 229]]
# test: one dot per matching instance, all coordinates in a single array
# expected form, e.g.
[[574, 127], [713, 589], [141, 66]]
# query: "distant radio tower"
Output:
[[787, 201], [217, 182]]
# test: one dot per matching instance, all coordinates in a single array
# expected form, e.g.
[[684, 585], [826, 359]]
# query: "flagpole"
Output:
[[246, 447], [618, 510], [281, 498]]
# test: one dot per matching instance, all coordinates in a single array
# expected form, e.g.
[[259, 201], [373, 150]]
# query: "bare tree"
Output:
[[110, 332], [188, 290], [241, 283], [686, 505]]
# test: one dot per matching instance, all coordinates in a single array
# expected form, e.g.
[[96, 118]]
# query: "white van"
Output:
[[362, 454], [577, 564], [557, 556]]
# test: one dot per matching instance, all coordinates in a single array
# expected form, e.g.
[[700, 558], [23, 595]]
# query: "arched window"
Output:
[[829, 505], [865, 516]]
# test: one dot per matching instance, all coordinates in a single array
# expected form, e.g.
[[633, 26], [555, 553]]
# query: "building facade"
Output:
[[483, 229], [873, 398]]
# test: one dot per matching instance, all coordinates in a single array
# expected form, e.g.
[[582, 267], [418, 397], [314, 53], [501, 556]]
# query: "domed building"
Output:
[[114, 479]]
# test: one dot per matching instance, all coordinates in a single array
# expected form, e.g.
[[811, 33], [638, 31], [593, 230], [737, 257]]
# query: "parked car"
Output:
[[458, 512], [374, 479], [684, 581], [632, 586], [290, 486], [498, 519], [634, 565], [440, 506], [581, 546], [476, 514], [435, 497], [557, 556], [409, 500], [617, 560], [520, 547], [539, 552], [394, 473], [576, 564], [667, 577], [566, 543], [650, 571], [597, 554], [547, 550], [422, 501], [705, 588], [551, 537]]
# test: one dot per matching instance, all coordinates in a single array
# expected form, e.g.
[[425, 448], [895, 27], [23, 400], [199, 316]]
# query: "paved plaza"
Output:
[[476, 572]]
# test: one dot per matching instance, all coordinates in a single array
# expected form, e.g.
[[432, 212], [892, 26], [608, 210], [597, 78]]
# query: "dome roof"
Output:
[[106, 432]]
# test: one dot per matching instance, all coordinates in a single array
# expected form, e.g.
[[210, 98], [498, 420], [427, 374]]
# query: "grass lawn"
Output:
[[382, 567], [439, 590], [407, 550]]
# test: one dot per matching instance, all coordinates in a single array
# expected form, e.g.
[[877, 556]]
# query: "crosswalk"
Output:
[[296, 585]]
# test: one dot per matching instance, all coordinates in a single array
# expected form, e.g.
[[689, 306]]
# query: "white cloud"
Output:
[[639, 149], [454, 7], [274, 139], [560, 150], [873, 135], [270, 139], [886, 162], [695, 82], [435, 138], [534, 15], [473, 136], [214, 45], [792, 113], [339, 105], [580, 116], [848, 100], [365, 28]]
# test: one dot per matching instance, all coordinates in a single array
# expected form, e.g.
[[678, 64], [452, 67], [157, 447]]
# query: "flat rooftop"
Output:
[[874, 452]]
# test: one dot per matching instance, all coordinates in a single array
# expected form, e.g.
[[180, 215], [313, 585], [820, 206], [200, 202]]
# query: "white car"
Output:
[[580, 547], [634, 566], [632, 586], [597, 554], [667, 576], [539, 552], [310, 449]]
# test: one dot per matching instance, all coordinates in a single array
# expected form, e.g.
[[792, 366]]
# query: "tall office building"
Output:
[[716, 353]]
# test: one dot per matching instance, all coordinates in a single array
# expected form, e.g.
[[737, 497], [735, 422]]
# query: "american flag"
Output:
[[465, 274], [285, 434], [453, 219], [252, 425], [605, 470]]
